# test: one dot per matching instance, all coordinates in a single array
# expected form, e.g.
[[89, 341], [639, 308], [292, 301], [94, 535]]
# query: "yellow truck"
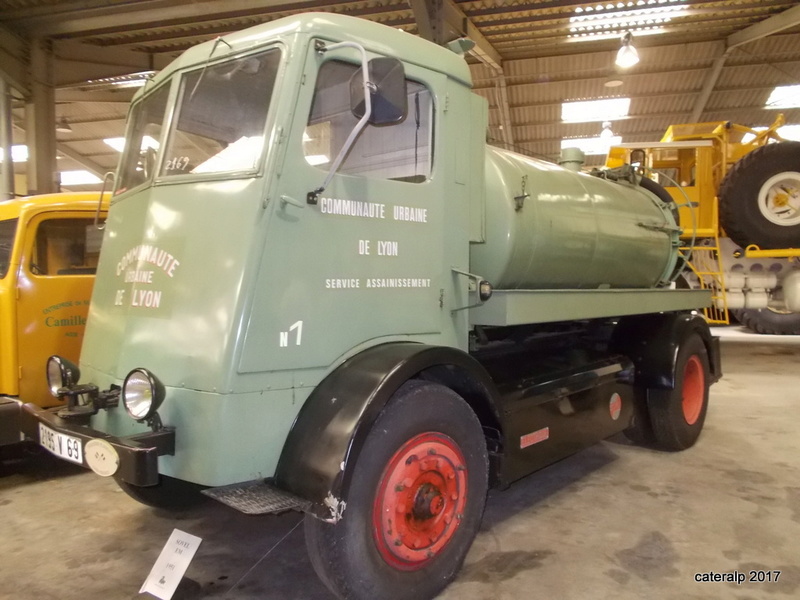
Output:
[[49, 246], [738, 195]]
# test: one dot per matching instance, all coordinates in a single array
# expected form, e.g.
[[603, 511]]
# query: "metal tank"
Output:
[[548, 227]]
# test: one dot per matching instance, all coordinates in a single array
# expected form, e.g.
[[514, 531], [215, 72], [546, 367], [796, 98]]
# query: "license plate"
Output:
[[65, 446]]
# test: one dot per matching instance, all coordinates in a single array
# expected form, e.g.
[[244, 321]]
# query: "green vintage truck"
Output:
[[320, 290]]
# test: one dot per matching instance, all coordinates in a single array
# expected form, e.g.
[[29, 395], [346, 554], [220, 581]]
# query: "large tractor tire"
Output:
[[760, 198], [769, 321]]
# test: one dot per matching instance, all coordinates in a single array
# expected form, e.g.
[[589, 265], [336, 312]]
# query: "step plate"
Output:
[[257, 498]]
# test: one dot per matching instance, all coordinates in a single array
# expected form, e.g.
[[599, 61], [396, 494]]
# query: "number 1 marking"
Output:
[[284, 335]]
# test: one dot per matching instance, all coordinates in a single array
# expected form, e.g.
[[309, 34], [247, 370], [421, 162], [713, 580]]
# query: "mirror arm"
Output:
[[313, 196], [113, 177]]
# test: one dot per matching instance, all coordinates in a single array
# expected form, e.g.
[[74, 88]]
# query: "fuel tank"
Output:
[[547, 227]]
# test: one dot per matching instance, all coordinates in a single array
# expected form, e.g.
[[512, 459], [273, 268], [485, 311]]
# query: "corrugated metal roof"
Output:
[[541, 63]]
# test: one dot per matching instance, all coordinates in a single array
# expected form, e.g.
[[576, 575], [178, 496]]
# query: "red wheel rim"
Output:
[[420, 501], [693, 389]]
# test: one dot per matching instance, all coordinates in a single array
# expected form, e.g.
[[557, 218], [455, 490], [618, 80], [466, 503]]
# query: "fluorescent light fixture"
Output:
[[785, 96], [592, 146], [19, 153], [586, 111], [79, 178], [612, 35], [642, 17], [118, 143]]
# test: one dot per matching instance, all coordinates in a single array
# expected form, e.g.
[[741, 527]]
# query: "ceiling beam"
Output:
[[785, 20], [110, 18], [87, 163], [78, 62], [14, 59], [441, 21]]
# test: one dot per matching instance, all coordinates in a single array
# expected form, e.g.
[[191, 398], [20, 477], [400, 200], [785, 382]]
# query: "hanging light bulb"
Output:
[[627, 55], [606, 133], [63, 126]]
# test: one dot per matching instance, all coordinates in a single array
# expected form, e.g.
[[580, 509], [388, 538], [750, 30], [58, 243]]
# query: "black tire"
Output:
[[678, 415], [663, 195], [168, 494], [748, 213], [769, 321], [367, 555]]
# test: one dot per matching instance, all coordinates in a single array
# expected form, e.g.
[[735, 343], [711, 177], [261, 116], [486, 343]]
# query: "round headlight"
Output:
[[61, 373], [142, 394]]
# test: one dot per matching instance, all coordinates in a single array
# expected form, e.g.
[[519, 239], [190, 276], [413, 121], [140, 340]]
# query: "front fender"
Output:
[[317, 459]]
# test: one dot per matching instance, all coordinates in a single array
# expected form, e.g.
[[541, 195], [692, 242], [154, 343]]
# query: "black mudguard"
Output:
[[652, 342], [317, 459]]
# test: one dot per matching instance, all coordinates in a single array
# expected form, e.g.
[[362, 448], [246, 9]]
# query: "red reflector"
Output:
[[529, 439]]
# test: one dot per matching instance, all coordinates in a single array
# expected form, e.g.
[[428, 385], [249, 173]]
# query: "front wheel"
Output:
[[677, 415], [415, 502]]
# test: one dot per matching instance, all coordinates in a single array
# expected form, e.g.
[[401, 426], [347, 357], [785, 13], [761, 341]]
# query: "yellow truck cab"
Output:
[[49, 246]]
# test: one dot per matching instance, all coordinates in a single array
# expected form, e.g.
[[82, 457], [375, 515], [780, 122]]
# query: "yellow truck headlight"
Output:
[[142, 394], [61, 373]]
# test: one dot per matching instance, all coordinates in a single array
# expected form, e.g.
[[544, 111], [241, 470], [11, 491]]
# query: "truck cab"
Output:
[[49, 247]]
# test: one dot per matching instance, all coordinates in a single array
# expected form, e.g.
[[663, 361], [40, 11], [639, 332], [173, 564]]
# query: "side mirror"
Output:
[[387, 85]]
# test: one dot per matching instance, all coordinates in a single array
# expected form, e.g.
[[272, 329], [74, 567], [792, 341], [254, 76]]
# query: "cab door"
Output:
[[56, 275], [363, 262]]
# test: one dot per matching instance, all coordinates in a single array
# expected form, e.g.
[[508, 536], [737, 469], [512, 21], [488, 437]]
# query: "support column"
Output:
[[40, 116], [7, 180]]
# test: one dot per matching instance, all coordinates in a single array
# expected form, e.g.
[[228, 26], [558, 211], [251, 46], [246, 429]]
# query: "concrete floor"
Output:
[[613, 521]]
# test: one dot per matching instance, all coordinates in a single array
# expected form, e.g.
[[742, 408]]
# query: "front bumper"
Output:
[[138, 454]]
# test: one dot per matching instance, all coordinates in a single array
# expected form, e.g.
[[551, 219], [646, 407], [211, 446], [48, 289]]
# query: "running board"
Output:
[[257, 497]]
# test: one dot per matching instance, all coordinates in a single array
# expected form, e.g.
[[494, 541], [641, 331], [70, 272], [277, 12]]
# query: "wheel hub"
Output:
[[779, 199], [693, 393], [420, 501]]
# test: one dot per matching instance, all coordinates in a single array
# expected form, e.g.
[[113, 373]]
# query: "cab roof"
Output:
[[11, 209], [375, 37]]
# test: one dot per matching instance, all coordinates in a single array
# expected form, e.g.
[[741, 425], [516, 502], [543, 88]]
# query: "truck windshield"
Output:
[[222, 111], [218, 126], [7, 230], [141, 146]]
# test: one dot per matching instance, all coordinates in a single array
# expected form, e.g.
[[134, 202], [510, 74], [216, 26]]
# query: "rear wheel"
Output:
[[168, 494], [769, 321], [414, 504], [760, 198], [677, 415]]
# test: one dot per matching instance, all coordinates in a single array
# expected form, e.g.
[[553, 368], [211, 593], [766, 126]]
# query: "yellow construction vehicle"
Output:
[[738, 195], [49, 247]]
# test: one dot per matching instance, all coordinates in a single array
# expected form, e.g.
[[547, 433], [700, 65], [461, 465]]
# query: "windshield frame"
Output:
[[173, 82]]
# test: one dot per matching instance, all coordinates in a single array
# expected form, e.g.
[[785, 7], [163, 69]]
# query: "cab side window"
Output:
[[7, 229], [402, 151], [66, 247]]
